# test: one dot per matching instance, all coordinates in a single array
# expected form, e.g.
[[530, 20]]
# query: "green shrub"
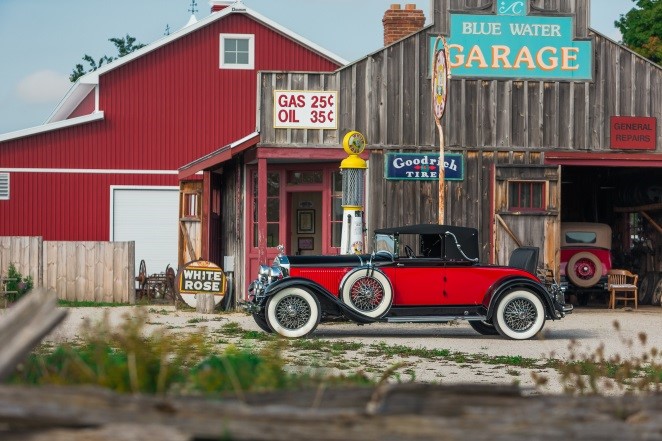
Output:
[[128, 360], [19, 285]]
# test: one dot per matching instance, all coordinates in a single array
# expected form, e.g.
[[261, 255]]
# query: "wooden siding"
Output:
[[391, 104], [386, 96], [232, 220]]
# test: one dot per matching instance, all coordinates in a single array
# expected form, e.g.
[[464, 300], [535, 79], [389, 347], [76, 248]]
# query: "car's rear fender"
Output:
[[504, 286], [328, 301]]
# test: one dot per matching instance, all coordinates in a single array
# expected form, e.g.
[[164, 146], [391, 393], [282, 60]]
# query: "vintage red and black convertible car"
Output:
[[440, 282]]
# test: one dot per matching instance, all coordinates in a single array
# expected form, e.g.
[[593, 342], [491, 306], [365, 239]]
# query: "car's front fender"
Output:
[[504, 286], [323, 295]]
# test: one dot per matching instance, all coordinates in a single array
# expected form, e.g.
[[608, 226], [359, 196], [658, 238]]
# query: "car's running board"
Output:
[[434, 319]]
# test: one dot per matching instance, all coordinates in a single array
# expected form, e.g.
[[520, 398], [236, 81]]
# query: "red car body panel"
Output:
[[420, 284]]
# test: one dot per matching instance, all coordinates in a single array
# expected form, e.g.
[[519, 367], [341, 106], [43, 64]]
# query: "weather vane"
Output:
[[193, 8]]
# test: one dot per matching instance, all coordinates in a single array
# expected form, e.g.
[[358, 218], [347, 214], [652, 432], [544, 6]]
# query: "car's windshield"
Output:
[[385, 242]]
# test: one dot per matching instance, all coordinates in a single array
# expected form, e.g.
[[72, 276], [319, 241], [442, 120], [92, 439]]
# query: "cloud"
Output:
[[43, 86]]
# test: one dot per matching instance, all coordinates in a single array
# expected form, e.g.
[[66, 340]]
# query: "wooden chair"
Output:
[[622, 285]]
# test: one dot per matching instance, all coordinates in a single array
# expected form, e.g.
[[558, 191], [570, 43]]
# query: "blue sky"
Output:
[[42, 40]]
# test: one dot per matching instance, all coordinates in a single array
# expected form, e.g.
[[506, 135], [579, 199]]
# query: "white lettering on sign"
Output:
[[304, 109], [202, 281]]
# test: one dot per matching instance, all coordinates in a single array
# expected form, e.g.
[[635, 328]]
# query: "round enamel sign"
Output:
[[440, 83], [200, 277]]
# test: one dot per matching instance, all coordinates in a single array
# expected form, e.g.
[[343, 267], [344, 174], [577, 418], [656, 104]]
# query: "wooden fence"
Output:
[[82, 271]]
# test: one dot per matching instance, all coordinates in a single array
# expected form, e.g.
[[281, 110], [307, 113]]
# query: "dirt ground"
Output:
[[475, 358]]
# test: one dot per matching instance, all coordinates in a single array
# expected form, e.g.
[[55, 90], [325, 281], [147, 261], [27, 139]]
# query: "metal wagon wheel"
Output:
[[170, 293], [141, 278]]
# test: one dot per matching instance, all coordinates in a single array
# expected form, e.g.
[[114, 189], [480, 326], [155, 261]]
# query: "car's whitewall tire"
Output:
[[520, 315], [293, 312], [367, 291]]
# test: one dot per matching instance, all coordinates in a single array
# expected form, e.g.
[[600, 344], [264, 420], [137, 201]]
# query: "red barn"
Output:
[[105, 164]]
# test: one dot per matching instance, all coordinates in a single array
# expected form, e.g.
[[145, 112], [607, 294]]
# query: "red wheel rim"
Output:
[[366, 294], [585, 269]]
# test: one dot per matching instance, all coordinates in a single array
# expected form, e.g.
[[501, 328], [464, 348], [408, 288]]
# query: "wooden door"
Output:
[[527, 212]]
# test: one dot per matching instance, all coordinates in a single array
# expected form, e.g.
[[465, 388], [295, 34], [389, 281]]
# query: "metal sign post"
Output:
[[440, 76]]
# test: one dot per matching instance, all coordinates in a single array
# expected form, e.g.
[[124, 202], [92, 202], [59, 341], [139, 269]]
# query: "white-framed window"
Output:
[[237, 51], [4, 186]]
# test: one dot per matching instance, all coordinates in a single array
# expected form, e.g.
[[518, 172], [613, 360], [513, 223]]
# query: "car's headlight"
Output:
[[275, 273], [284, 263], [263, 273]]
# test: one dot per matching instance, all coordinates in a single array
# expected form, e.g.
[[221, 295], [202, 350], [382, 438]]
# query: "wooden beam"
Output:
[[652, 222], [508, 230], [24, 325]]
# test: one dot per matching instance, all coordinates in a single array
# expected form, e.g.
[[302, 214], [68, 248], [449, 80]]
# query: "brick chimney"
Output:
[[399, 23], [219, 5]]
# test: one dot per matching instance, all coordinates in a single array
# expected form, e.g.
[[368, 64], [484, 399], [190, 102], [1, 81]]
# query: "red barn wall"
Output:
[[161, 111]]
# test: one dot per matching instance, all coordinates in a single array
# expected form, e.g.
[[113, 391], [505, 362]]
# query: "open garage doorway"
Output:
[[629, 200]]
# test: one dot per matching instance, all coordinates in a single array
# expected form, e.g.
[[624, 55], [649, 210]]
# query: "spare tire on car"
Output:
[[584, 269], [367, 291]]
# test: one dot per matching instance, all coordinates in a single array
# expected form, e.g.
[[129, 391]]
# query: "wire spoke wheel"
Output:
[[367, 294], [367, 291], [292, 312], [520, 314]]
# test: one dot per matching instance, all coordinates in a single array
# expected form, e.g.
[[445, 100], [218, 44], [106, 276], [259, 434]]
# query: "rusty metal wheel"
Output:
[[141, 278]]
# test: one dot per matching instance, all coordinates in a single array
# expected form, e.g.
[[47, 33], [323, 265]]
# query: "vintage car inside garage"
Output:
[[629, 200]]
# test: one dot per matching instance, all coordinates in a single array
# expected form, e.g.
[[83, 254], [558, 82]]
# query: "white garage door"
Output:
[[150, 217]]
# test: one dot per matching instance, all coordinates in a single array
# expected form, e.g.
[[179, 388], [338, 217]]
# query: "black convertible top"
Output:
[[445, 241], [429, 229]]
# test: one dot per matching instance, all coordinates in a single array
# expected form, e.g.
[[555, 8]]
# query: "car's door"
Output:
[[417, 282], [469, 284]]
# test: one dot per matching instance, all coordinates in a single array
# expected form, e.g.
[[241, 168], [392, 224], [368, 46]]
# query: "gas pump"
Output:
[[353, 189]]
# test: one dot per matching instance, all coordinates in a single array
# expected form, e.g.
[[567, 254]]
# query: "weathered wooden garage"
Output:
[[553, 123]]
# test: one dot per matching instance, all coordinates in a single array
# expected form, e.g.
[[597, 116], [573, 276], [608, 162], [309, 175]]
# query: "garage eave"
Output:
[[604, 159], [219, 156]]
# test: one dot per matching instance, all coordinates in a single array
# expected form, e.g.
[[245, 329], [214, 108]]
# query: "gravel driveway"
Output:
[[383, 345]]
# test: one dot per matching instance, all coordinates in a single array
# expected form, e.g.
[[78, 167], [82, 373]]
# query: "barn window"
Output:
[[4, 186], [191, 205], [237, 51], [526, 196]]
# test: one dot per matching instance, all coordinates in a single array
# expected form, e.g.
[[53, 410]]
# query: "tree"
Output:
[[124, 47], [641, 28]]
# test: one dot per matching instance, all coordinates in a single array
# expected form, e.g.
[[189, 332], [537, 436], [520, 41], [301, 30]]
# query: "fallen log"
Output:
[[24, 325], [392, 412]]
